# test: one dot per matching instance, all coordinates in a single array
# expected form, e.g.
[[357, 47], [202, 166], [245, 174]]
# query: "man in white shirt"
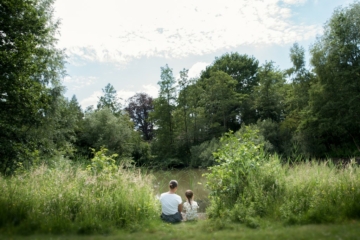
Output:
[[171, 204]]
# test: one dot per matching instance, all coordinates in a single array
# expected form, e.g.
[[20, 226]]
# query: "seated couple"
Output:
[[172, 207]]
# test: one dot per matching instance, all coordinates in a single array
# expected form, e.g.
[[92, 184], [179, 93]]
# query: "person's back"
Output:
[[191, 210], [190, 206], [171, 204]]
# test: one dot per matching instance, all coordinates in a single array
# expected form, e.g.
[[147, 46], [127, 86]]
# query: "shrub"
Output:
[[247, 185], [243, 177]]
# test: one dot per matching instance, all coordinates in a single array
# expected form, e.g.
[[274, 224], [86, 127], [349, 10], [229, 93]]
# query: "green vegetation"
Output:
[[302, 113], [247, 185], [257, 128], [72, 199], [204, 230]]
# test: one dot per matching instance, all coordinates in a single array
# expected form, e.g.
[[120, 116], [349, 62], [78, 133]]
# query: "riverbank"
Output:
[[206, 230]]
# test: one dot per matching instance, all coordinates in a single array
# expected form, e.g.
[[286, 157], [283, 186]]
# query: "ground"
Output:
[[207, 230]]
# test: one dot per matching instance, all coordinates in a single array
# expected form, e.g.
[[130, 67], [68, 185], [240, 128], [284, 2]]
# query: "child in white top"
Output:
[[190, 206]]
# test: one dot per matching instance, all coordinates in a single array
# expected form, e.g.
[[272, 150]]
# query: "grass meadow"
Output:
[[308, 200], [71, 199]]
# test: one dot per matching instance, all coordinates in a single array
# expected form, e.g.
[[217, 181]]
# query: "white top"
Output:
[[170, 203], [191, 210]]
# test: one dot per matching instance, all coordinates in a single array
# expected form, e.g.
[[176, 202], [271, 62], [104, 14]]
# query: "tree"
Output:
[[195, 113], [162, 116], [243, 69], [110, 100], [103, 128], [219, 98], [183, 107], [31, 68], [298, 90], [268, 98], [332, 118], [139, 108]]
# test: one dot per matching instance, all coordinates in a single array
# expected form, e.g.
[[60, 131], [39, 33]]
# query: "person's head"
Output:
[[189, 195], [173, 185]]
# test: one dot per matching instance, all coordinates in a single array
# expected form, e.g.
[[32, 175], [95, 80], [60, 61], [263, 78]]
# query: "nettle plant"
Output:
[[239, 156], [101, 163]]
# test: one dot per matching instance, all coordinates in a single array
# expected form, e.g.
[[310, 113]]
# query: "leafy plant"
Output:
[[102, 163]]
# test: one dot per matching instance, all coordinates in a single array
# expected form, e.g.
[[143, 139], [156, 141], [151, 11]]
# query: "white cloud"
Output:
[[120, 30], [77, 82], [294, 1], [92, 100], [124, 95], [195, 70], [152, 90]]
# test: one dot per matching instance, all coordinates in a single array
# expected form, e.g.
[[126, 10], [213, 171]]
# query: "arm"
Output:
[[180, 207]]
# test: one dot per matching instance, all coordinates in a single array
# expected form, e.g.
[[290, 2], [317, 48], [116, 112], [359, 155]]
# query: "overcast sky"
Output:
[[125, 42]]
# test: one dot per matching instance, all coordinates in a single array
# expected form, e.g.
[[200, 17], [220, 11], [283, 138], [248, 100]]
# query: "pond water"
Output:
[[192, 179]]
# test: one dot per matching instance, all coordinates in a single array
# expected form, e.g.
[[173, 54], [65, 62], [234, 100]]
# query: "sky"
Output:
[[125, 42]]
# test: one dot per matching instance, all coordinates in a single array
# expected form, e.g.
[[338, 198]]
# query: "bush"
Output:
[[243, 176], [247, 185]]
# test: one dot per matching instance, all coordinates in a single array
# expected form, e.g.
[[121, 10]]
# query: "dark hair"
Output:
[[173, 184], [189, 194]]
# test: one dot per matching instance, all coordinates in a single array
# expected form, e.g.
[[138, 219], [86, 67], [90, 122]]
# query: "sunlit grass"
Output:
[[321, 192], [67, 199]]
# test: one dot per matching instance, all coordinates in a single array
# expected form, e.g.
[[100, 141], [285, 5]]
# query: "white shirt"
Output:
[[170, 203]]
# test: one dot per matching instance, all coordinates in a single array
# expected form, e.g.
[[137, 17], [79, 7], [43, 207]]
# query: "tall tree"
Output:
[[219, 99], [31, 68], [268, 98], [139, 108], [183, 106], [301, 80], [162, 116], [333, 115], [110, 100], [195, 112], [243, 69]]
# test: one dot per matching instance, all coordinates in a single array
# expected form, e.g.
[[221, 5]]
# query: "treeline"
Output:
[[300, 112]]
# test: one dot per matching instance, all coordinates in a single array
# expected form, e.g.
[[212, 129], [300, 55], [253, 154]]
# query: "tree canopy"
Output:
[[31, 69]]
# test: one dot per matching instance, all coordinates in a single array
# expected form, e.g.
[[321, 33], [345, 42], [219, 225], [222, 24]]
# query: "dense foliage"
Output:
[[31, 68], [301, 113], [248, 185]]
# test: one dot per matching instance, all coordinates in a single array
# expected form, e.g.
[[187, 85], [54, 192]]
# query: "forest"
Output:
[[302, 113], [276, 143]]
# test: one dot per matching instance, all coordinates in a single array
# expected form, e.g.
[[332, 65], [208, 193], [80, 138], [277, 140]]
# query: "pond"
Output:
[[187, 179]]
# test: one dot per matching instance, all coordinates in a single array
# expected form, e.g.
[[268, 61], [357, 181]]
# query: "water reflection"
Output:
[[187, 179]]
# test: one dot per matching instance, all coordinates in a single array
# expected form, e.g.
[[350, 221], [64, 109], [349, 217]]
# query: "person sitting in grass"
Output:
[[171, 206], [190, 206]]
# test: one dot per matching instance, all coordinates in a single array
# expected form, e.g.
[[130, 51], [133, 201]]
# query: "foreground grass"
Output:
[[205, 230], [68, 199]]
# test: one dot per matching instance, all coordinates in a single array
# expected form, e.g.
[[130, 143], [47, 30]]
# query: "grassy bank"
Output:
[[68, 199], [249, 190], [205, 230]]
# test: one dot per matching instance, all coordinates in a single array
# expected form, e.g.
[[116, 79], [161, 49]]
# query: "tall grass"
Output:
[[248, 185], [320, 192], [66, 199]]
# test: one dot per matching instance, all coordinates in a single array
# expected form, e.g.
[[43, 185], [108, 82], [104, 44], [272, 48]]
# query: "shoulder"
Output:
[[163, 195], [178, 198]]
